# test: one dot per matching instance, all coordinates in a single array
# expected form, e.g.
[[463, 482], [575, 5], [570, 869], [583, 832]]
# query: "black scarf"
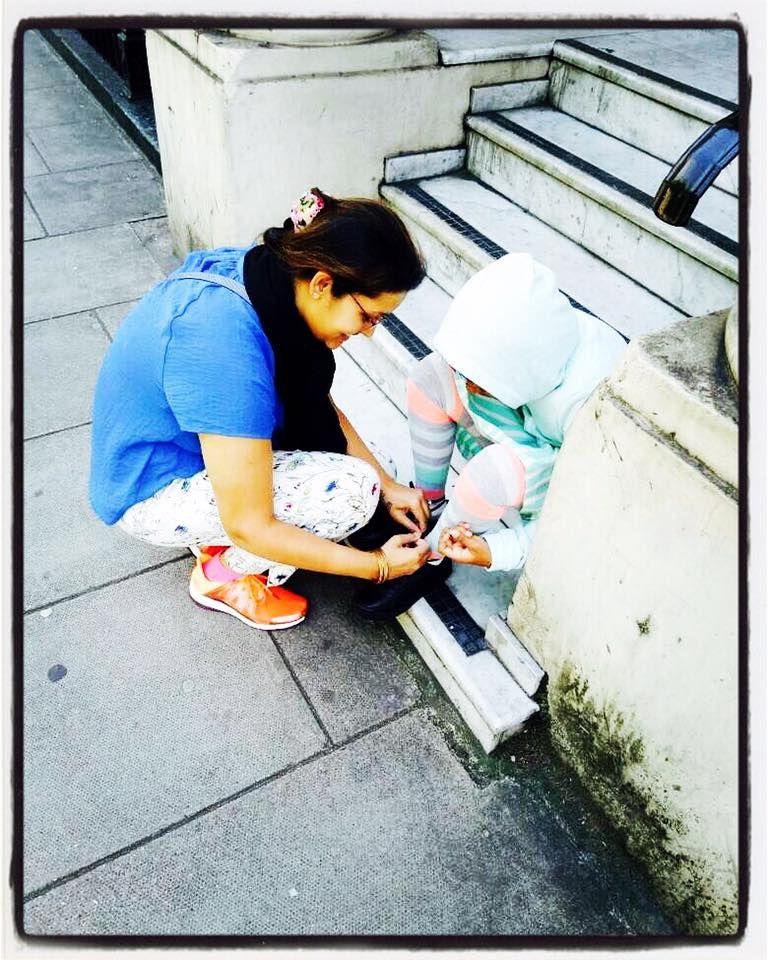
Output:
[[304, 366]]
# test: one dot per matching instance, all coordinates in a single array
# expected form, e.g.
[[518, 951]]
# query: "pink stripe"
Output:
[[471, 501], [420, 404], [518, 471]]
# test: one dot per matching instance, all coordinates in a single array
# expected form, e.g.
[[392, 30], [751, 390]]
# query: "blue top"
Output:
[[191, 357]]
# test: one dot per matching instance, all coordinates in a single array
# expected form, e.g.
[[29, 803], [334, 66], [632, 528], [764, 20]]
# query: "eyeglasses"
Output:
[[370, 320]]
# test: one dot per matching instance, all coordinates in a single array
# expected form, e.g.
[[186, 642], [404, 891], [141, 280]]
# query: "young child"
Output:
[[513, 363]]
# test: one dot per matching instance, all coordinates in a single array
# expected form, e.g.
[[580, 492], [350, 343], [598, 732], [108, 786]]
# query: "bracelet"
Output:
[[383, 564]]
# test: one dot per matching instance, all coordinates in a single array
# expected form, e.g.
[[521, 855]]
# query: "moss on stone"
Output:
[[598, 741]]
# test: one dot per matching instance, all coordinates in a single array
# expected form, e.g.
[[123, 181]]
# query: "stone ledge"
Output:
[[229, 58], [677, 379]]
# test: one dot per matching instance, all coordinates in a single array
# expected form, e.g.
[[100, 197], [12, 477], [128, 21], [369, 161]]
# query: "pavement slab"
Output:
[[84, 199], [76, 146], [37, 51], [384, 836], [46, 73], [350, 674], [93, 268], [72, 346], [113, 315], [68, 549], [67, 103], [155, 234], [162, 709], [34, 165], [33, 228]]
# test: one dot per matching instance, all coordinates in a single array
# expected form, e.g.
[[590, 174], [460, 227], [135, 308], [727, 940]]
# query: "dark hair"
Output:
[[361, 243]]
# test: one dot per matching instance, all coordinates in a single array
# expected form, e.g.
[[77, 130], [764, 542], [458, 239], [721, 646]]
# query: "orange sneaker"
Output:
[[246, 597]]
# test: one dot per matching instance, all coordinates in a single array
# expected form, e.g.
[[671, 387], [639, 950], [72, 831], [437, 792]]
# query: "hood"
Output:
[[510, 330]]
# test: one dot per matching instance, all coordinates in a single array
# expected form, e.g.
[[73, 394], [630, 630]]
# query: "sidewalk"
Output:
[[186, 775]]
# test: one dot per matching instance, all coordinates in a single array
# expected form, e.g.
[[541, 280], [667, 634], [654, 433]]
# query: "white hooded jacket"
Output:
[[512, 332]]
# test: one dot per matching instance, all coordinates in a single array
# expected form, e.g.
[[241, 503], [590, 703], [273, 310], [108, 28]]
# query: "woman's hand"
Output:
[[406, 505], [405, 554], [463, 546]]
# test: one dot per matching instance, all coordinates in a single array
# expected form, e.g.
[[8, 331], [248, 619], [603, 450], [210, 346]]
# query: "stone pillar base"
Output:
[[245, 126], [629, 600]]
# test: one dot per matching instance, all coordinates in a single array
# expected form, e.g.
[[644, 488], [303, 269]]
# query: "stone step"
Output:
[[447, 627], [607, 82], [507, 96], [461, 225], [599, 191]]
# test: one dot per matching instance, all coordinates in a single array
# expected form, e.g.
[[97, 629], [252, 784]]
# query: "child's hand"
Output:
[[463, 546]]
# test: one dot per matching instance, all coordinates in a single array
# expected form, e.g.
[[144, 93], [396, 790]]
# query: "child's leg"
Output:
[[434, 409], [329, 494]]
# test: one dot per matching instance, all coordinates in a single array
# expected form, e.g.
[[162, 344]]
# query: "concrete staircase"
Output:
[[566, 169]]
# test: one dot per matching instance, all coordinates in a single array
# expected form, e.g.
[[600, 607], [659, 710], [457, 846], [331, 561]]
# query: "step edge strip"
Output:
[[658, 80]]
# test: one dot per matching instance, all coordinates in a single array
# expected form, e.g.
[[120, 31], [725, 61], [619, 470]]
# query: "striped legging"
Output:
[[509, 475]]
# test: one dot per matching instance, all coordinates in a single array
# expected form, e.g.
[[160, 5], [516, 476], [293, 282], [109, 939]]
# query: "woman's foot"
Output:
[[246, 597], [388, 600]]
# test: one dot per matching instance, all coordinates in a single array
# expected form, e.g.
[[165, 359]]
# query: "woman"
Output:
[[213, 427], [514, 362]]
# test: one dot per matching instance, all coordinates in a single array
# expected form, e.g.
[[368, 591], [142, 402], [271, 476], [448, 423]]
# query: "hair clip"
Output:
[[305, 209]]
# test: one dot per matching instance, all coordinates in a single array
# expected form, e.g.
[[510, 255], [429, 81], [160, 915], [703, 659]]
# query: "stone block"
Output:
[[75, 146], [94, 268], [68, 103], [34, 165], [98, 196], [67, 549], [114, 315], [155, 234], [61, 362], [521, 665], [33, 228]]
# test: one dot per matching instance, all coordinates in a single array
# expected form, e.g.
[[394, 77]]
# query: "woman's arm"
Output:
[[240, 471]]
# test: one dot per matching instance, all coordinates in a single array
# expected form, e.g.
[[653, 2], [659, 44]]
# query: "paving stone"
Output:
[[37, 50], [350, 674], [33, 229], [160, 709], [114, 315], [69, 103], [93, 268], [47, 73], [61, 364], [155, 234], [34, 165], [386, 836], [67, 548], [74, 146], [83, 199]]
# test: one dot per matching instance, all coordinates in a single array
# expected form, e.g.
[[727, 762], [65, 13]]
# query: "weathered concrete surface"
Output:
[[629, 600], [344, 664], [68, 549], [386, 836], [74, 346], [164, 709]]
